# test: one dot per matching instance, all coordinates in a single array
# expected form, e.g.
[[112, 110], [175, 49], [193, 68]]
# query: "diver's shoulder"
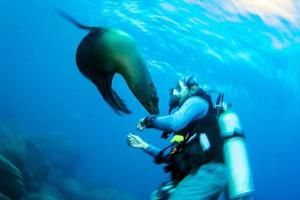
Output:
[[196, 99], [196, 102]]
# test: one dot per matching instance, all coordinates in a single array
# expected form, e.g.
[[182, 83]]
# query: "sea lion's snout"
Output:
[[152, 106]]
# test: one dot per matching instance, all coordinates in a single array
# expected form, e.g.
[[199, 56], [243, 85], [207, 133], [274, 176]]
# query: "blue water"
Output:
[[248, 50]]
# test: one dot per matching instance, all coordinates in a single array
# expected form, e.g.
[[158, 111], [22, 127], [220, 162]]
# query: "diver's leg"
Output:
[[163, 192], [248, 197], [206, 184]]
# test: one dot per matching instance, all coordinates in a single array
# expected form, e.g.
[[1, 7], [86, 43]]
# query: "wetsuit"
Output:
[[210, 179]]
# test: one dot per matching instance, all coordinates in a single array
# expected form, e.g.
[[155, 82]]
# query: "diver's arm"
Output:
[[151, 150], [135, 141], [192, 109]]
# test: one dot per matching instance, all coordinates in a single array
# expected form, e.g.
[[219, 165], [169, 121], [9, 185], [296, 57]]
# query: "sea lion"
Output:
[[102, 53]]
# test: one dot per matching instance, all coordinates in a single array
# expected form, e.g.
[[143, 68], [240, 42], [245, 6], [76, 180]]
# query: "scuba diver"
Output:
[[196, 157]]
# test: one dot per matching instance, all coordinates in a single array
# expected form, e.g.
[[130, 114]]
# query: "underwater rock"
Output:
[[62, 153], [12, 146], [37, 165], [104, 194], [54, 177], [42, 167], [24, 154], [11, 180], [46, 192], [74, 190], [47, 149], [109, 194], [3, 197]]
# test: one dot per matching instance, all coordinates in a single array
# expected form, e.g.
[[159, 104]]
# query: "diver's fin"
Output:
[[103, 84], [73, 21]]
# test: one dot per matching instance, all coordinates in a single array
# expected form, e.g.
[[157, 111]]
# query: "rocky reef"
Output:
[[43, 167]]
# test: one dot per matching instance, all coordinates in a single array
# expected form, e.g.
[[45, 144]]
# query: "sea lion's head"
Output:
[[124, 57], [144, 90], [149, 99]]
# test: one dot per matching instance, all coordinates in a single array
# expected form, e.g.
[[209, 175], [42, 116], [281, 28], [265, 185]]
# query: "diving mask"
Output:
[[177, 94], [180, 90]]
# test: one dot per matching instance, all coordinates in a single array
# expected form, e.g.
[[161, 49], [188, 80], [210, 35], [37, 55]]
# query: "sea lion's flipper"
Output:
[[103, 84], [120, 102], [73, 21]]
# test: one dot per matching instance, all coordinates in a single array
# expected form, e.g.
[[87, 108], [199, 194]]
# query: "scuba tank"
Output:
[[240, 182]]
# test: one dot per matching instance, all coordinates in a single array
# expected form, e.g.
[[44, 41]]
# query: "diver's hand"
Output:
[[136, 142], [141, 124], [146, 122]]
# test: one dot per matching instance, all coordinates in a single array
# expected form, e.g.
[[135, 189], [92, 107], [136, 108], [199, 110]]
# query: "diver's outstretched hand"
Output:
[[136, 142], [141, 124], [146, 122]]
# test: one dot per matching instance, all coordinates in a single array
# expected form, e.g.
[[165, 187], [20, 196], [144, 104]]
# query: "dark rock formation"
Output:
[[37, 165], [73, 189], [43, 167], [109, 194], [62, 153], [11, 180], [12, 146], [3, 197], [25, 155], [46, 192]]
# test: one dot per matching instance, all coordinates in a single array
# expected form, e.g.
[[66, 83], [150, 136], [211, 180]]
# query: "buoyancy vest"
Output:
[[202, 144]]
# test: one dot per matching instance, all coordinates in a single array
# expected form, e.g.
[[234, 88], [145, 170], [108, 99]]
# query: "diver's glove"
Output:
[[146, 122]]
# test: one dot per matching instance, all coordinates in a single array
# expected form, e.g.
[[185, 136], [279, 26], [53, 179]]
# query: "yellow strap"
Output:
[[177, 139]]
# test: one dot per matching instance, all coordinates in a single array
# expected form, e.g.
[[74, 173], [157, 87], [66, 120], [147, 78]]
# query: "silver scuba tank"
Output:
[[240, 182]]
